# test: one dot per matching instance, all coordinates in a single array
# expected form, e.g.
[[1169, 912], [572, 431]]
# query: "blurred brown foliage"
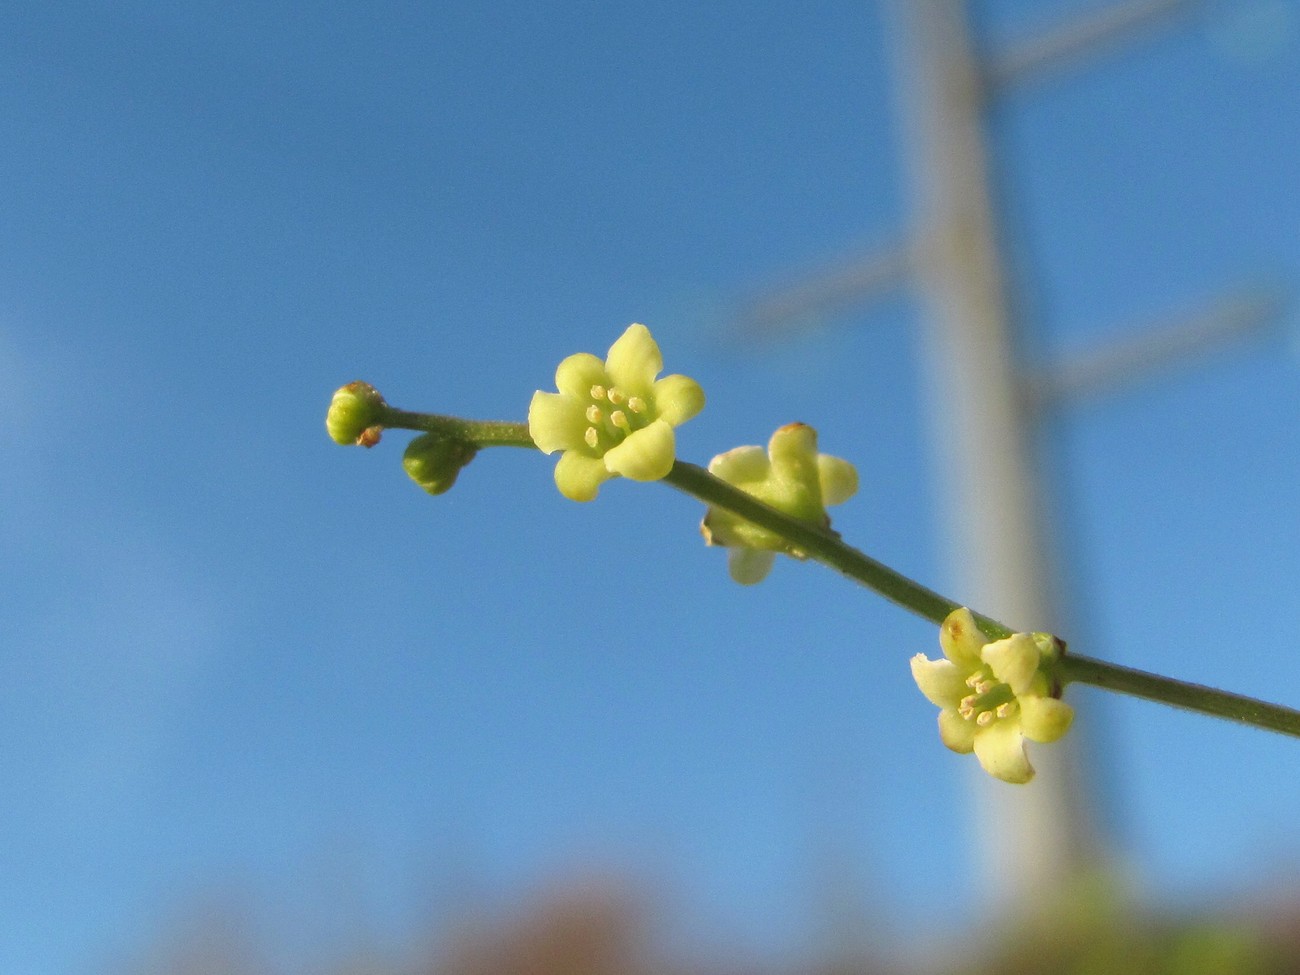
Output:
[[602, 929]]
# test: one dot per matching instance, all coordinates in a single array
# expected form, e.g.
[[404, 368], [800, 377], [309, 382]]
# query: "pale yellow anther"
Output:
[[591, 436], [598, 391], [593, 414], [616, 395], [620, 420], [636, 404], [985, 719], [973, 681]]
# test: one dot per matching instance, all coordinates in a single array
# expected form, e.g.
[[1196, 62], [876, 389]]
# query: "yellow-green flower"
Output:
[[791, 476], [994, 695], [612, 418]]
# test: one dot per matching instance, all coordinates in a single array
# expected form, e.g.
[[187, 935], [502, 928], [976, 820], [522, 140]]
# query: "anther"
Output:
[[616, 395], [591, 436], [985, 719], [598, 391], [593, 414], [1004, 709], [619, 419], [636, 404]]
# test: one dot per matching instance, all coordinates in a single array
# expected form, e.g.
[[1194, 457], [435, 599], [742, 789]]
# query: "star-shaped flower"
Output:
[[994, 695], [791, 476], [612, 418]]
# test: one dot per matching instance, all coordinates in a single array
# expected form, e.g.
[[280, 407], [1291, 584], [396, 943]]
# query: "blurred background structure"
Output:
[[985, 399], [241, 659]]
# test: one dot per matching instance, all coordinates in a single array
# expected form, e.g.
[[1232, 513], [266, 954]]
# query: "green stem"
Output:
[[1181, 694], [826, 547], [481, 433], [823, 545]]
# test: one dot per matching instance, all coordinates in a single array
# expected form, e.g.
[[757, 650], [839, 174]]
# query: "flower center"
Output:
[[613, 415], [989, 699]]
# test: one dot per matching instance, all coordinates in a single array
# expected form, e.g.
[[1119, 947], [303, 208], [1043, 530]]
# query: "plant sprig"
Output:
[[826, 547]]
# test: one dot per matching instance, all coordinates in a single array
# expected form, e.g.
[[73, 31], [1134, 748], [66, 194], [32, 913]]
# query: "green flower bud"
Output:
[[354, 415], [433, 461]]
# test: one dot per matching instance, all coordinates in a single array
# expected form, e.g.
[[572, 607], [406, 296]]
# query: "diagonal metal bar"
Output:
[[1070, 44], [848, 283], [1178, 339]]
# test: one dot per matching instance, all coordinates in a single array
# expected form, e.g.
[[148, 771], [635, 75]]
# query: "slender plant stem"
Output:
[[823, 545], [1181, 694], [480, 433], [826, 547]]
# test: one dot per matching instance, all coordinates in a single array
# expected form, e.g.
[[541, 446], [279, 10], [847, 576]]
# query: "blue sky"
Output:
[[241, 658]]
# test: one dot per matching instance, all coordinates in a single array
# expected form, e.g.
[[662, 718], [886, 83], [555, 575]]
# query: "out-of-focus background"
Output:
[[268, 707]]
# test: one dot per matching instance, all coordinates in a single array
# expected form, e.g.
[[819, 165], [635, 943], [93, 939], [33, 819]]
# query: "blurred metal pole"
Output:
[[1035, 837]]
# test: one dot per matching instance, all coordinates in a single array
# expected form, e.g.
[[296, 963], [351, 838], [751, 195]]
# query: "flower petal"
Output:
[[579, 477], [961, 639], [941, 681], [1045, 718], [793, 448], [839, 479], [1000, 747], [678, 398], [578, 373], [556, 422], [1014, 661], [741, 465], [723, 528], [956, 732], [795, 486], [749, 565], [634, 360], [646, 455]]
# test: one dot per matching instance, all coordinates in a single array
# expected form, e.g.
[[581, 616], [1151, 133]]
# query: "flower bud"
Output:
[[354, 415], [433, 461]]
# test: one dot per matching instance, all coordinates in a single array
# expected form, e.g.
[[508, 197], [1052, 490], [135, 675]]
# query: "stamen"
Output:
[[598, 391], [591, 436], [985, 719], [619, 419], [1004, 709], [636, 404], [593, 414], [616, 395], [973, 681]]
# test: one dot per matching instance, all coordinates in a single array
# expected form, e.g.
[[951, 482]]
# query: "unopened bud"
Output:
[[433, 461], [354, 415]]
